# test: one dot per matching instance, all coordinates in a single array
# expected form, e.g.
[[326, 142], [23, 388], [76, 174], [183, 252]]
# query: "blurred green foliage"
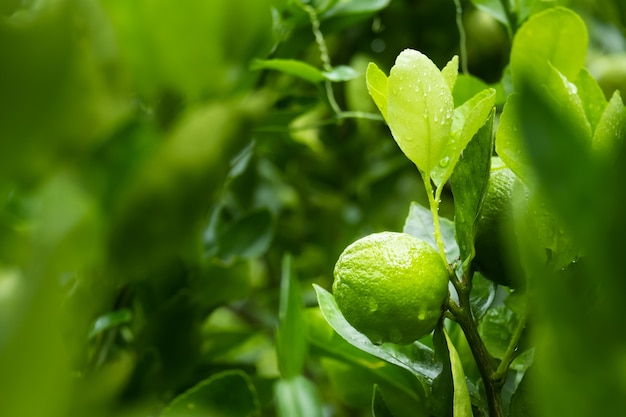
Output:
[[152, 181]]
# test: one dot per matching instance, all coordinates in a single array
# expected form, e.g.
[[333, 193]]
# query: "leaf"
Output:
[[293, 67], [419, 109], [462, 405], [358, 7], [469, 183], [496, 329], [379, 408], [110, 320], [592, 97], [556, 37], [340, 73], [227, 394], [330, 344], [416, 358], [466, 87], [482, 295], [248, 237], [611, 126], [468, 118], [494, 9], [291, 336], [451, 71], [297, 396], [377, 87], [419, 223], [509, 141]]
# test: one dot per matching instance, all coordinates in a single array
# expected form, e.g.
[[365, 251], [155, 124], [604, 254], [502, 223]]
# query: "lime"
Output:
[[391, 287], [494, 228]]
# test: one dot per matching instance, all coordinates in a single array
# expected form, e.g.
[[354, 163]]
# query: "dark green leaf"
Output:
[[291, 337], [416, 357], [469, 184], [227, 394], [443, 385], [496, 329], [482, 295], [419, 223], [379, 408], [297, 396], [248, 237]]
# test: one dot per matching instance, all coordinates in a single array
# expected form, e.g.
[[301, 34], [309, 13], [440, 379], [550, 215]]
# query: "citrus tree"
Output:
[[312, 208]]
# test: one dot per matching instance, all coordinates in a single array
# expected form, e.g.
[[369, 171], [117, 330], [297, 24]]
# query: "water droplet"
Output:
[[444, 162]]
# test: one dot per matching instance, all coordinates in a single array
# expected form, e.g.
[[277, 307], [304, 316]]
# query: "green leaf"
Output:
[[297, 396], [592, 97], [493, 8], [416, 357], [248, 237], [379, 407], [291, 336], [482, 295], [377, 87], [227, 394], [328, 343], [469, 183], [355, 7], [462, 405], [556, 37], [293, 67], [419, 109], [451, 71], [419, 223], [468, 118], [611, 126], [340, 73], [110, 320], [496, 329], [466, 87], [509, 141]]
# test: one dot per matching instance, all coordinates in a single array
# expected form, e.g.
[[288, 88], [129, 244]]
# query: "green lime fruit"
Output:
[[494, 229], [391, 287]]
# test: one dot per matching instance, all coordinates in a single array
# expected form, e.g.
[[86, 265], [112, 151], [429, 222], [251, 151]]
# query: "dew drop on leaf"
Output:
[[445, 161]]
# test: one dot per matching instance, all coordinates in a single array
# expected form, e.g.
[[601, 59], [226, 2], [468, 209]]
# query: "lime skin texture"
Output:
[[391, 287]]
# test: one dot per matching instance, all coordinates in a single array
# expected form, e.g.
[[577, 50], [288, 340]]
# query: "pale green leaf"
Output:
[[451, 71], [340, 73], [467, 120], [297, 397], [611, 126], [556, 36], [493, 8], [377, 87], [420, 109], [462, 406], [419, 223], [509, 141]]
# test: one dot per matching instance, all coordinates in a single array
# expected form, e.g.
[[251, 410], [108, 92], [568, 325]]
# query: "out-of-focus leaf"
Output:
[[555, 37], [355, 7], [416, 357], [419, 223], [494, 9], [469, 183], [462, 405], [379, 408], [293, 67], [466, 87], [340, 73], [291, 336], [248, 237], [297, 396], [110, 320], [228, 394], [443, 385]]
